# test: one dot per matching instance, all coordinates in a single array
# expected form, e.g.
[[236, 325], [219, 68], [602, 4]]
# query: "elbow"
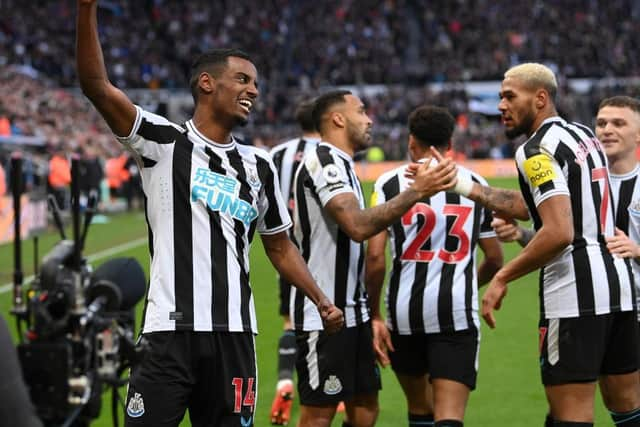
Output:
[[355, 232], [562, 238], [566, 239], [93, 89]]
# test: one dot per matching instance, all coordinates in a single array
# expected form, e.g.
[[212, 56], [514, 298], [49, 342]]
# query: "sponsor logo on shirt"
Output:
[[539, 169], [220, 194]]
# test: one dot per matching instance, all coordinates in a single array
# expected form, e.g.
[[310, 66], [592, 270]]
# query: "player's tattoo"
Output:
[[509, 202]]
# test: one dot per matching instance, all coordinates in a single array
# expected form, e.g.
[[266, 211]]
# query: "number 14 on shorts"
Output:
[[249, 398]]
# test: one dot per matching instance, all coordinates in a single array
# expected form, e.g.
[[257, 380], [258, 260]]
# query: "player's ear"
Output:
[[206, 82], [541, 99], [338, 119]]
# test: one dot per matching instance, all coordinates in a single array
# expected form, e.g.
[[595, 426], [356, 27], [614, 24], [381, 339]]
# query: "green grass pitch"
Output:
[[509, 392]]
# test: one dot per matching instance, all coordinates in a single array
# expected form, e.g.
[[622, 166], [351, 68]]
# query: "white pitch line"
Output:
[[93, 257]]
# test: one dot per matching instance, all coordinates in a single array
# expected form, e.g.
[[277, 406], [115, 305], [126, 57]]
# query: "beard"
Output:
[[525, 127], [359, 139], [240, 121]]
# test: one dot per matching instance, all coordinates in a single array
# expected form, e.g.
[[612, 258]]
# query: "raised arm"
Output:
[[117, 110], [506, 202], [501, 200], [360, 224], [287, 260]]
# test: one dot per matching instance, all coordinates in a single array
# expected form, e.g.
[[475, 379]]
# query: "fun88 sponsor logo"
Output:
[[220, 194]]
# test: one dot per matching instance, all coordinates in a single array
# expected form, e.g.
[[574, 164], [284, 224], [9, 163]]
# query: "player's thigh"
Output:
[[571, 402], [334, 367], [367, 373], [622, 344], [572, 349], [620, 383], [160, 385], [450, 399], [362, 409], [453, 356], [226, 387], [316, 416], [410, 364]]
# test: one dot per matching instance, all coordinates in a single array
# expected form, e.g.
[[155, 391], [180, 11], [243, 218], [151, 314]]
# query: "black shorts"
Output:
[[335, 367], [581, 349], [213, 374], [285, 293], [447, 355]]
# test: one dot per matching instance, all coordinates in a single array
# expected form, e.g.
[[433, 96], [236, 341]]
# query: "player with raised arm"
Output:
[[331, 223], [431, 296], [205, 196]]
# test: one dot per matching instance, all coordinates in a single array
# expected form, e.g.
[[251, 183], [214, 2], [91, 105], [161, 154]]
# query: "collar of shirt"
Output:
[[229, 145], [630, 174], [338, 151]]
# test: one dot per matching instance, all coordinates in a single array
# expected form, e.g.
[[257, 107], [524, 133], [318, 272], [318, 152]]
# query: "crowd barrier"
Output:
[[33, 217]]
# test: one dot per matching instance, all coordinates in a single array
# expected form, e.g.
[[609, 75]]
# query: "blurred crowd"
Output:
[[150, 43], [301, 47]]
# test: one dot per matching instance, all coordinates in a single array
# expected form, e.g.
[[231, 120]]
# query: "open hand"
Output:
[[492, 300], [622, 246], [429, 178], [381, 341]]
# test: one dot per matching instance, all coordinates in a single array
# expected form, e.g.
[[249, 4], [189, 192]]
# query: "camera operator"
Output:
[[15, 407]]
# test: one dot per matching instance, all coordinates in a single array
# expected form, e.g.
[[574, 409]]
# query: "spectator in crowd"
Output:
[[59, 177]]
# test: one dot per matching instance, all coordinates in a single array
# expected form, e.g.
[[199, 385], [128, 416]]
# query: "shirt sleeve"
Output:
[[273, 216], [152, 136], [328, 180], [542, 174]]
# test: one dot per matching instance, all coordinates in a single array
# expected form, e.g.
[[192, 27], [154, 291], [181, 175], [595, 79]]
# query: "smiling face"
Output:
[[517, 107], [618, 129], [233, 91]]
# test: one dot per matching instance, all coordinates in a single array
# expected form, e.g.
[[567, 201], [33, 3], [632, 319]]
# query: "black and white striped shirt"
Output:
[[287, 158], [626, 198], [567, 159], [433, 285], [335, 261], [204, 201]]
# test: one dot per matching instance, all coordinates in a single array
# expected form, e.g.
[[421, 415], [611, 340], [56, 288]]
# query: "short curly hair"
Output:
[[431, 125]]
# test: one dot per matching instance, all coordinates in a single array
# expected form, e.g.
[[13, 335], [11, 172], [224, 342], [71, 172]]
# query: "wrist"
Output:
[[525, 236], [463, 186]]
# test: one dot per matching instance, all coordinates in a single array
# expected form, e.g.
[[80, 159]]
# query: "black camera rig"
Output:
[[78, 323]]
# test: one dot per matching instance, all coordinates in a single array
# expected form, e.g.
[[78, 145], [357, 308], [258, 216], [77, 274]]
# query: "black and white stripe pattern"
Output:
[[433, 282], [204, 201], [287, 158], [585, 279], [626, 197], [335, 261]]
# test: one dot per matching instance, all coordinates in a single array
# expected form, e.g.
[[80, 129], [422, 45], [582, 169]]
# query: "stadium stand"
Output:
[[398, 54]]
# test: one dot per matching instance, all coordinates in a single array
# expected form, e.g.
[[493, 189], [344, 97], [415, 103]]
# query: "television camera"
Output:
[[78, 322]]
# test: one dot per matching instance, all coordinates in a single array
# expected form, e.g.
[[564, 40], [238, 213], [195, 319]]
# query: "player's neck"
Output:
[[540, 118], [212, 129], [623, 165], [311, 135], [339, 141]]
